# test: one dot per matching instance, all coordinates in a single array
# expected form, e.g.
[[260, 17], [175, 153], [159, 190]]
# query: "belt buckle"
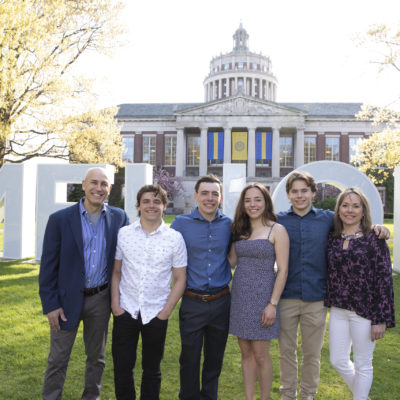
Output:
[[204, 297]]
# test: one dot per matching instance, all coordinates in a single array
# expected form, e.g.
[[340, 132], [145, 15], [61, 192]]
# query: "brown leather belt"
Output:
[[208, 297]]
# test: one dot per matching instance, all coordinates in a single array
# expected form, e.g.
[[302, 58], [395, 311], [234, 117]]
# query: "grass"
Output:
[[389, 224], [24, 345]]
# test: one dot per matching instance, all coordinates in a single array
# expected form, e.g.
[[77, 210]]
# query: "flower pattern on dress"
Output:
[[360, 278]]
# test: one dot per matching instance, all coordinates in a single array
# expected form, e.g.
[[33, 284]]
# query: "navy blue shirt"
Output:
[[307, 262], [207, 246]]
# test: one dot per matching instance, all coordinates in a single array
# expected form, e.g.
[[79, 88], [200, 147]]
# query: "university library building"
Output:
[[239, 122]]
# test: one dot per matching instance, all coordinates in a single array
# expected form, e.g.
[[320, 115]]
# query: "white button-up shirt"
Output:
[[147, 261]]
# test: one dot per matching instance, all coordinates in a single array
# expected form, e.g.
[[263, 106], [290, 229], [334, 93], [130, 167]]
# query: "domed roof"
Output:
[[241, 39]]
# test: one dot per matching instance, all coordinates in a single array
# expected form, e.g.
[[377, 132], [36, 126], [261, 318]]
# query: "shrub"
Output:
[[327, 204]]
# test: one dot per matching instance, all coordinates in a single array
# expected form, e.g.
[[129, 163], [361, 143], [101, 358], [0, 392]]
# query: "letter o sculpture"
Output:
[[337, 174]]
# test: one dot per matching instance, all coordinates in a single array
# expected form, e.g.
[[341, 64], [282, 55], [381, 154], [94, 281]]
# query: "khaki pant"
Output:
[[95, 315], [312, 319]]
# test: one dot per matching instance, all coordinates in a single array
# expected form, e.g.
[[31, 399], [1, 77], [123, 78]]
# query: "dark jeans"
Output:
[[202, 323], [125, 338]]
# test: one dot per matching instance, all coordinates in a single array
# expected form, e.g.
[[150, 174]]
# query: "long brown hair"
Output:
[[241, 227], [366, 221]]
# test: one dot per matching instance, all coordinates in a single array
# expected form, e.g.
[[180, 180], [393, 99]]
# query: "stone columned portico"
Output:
[[249, 116]]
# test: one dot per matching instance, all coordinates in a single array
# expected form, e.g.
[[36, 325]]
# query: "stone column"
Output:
[[227, 145], [299, 159], [275, 153], [251, 153], [180, 152], [203, 152]]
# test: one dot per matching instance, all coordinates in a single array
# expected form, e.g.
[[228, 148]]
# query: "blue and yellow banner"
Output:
[[215, 146], [263, 145], [239, 146]]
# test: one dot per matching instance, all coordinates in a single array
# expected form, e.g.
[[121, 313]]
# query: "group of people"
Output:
[[289, 267]]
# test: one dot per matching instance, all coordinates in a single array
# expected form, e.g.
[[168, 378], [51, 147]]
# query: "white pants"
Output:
[[347, 329]]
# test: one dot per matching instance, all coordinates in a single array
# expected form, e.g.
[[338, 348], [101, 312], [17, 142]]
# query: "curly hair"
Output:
[[241, 227]]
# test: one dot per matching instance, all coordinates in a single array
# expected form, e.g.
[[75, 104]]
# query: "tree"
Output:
[[44, 107], [378, 155], [171, 184]]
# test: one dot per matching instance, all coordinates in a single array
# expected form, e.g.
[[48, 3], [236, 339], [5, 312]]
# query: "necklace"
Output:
[[352, 236]]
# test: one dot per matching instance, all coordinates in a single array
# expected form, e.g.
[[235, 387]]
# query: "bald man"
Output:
[[75, 271]]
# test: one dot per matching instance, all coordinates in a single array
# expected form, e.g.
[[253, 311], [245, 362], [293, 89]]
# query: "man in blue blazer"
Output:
[[75, 273]]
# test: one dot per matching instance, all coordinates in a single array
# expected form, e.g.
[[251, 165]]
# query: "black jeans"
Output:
[[202, 323], [124, 345]]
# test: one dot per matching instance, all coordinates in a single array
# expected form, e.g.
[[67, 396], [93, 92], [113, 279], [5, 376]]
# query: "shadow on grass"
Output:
[[17, 272]]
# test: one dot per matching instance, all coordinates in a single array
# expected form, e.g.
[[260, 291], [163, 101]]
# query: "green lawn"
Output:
[[389, 224], [24, 340]]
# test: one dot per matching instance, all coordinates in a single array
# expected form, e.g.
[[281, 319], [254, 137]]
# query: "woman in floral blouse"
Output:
[[359, 291]]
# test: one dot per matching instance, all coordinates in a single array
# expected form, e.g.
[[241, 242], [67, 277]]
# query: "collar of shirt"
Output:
[[83, 211], [292, 212], [138, 226], [195, 214]]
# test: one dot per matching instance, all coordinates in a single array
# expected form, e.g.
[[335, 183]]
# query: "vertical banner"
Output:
[[215, 146], [239, 146], [263, 145]]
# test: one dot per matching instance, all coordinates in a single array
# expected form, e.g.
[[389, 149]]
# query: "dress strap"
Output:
[[271, 230]]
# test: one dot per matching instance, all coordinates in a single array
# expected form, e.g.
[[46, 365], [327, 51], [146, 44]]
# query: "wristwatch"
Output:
[[273, 303]]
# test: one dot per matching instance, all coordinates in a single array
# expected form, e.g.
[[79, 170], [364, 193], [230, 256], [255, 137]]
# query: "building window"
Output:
[[240, 65], [170, 150], [128, 142], [286, 151], [149, 149], [332, 148], [353, 142], [192, 150], [310, 149]]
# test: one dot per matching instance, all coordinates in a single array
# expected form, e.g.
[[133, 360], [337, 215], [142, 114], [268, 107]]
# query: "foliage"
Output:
[[44, 107], [378, 155], [171, 184], [328, 203], [386, 41], [24, 345]]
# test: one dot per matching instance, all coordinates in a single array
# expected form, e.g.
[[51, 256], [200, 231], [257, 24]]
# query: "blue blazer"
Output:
[[62, 268]]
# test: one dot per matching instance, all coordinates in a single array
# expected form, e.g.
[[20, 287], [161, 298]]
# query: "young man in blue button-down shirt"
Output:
[[302, 299], [204, 312]]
